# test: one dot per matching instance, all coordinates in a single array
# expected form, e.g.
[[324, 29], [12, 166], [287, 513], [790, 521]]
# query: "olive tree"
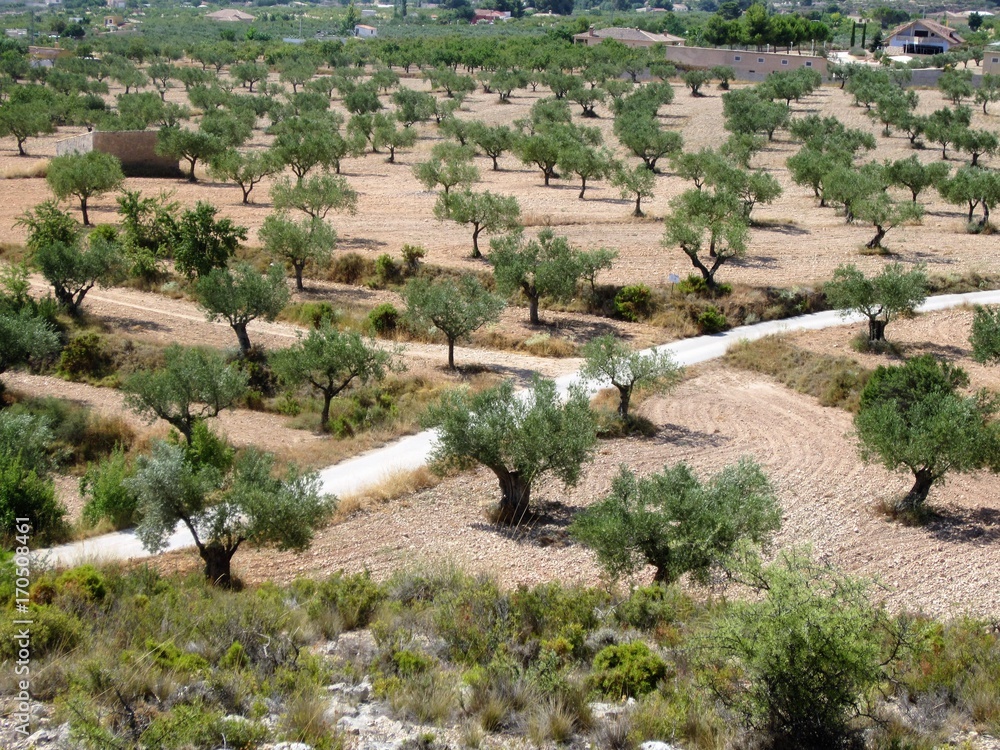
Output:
[[635, 183], [245, 169], [913, 418], [297, 243], [456, 308], [546, 267], [192, 385], [223, 511], [204, 243], [678, 524], [83, 176], [485, 212], [985, 335], [315, 196], [701, 221], [892, 292], [240, 295], [330, 360], [450, 165], [608, 359], [518, 436]]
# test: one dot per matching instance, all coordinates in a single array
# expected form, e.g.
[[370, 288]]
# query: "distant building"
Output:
[[16, 33], [43, 57], [135, 149], [748, 65], [991, 59], [230, 14], [113, 22], [628, 37], [116, 3], [921, 37], [488, 16], [365, 32]]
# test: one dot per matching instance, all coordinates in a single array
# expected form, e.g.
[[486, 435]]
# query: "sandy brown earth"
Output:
[[799, 243], [828, 496], [827, 493]]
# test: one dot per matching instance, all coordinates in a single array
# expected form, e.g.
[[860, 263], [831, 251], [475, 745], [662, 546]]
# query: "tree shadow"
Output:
[[976, 526], [544, 526], [940, 351], [360, 243], [756, 261], [685, 437], [786, 229], [133, 325]]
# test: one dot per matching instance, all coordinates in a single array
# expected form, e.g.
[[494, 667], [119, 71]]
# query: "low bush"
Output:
[[628, 670], [634, 303], [86, 357], [384, 319], [350, 268], [386, 270], [311, 314], [711, 320], [108, 496], [353, 598]]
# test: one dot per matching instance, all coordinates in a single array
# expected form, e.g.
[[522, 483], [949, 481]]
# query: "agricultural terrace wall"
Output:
[[749, 65], [136, 149]]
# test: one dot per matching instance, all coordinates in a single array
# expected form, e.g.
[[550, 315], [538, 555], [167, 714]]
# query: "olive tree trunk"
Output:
[[515, 497]]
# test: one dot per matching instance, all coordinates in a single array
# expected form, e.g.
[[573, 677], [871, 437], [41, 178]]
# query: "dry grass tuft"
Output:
[[391, 487], [26, 170], [835, 381]]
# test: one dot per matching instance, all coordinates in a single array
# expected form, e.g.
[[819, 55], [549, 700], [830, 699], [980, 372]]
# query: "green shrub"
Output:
[[108, 495], [353, 598], [473, 619], [552, 609], [311, 314], [650, 606], [196, 726], [24, 494], [169, 656], [386, 270], [384, 319], [634, 302], [627, 670], [78, 434], [83, 582], [412, 255], [800, 660], [695, 284], [362, 410], [711, 320], [408, 663], [53, 631], [86, 356], [350, 268], [235, 657]]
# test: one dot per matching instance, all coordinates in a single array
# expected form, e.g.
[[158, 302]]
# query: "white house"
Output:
[[365, 32], [921, 37], [991, 59]]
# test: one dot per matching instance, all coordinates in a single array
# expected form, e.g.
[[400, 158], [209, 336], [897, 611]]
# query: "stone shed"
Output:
[[136, 149]]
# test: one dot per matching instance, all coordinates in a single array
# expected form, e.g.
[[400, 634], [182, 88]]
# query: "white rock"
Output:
[[655, 745]]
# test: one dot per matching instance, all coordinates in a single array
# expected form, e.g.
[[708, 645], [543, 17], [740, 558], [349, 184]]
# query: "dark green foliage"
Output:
[[985, 335], [678, 524], [108, 496], [384, 319], [354, 599], [204, 243], [25, 494], [797, 663], [627, 671], [711, 320], [634, 302], [912, 417]]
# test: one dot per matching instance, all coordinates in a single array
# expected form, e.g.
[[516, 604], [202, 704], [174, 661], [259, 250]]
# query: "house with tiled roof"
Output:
[[628, 37], [230, 14], [921, 37]]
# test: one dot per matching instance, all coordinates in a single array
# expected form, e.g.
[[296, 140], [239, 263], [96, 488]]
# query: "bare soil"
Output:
[[828, 495]]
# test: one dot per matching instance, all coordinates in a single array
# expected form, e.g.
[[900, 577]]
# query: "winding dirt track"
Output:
[[715, 417]]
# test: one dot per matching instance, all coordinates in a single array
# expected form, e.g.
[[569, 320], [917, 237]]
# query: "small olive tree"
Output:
[[248, 505], [913, 418], [330, 360], [192, 385], [518, 436], [484, 212], [456, 308], [893, 291], [608, 359], [548, 266], [241, 295], [679, 525], [82, 176]]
